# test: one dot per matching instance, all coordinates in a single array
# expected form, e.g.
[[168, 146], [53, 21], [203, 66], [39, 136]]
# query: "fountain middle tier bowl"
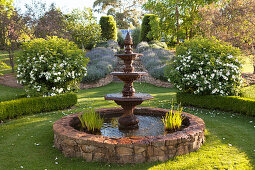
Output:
[[135, 98], [131, 56], [129, 76]]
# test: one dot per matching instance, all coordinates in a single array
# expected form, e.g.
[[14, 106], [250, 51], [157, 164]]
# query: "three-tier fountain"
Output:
[[128, 100], [129, 146]]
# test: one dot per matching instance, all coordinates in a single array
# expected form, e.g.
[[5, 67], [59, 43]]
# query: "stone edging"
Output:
[[101, 82], [74, 143]]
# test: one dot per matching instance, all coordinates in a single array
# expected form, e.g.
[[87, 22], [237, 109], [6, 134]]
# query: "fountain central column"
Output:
[[128, 100]]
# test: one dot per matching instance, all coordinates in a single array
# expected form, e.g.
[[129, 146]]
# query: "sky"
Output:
[[65, 5]]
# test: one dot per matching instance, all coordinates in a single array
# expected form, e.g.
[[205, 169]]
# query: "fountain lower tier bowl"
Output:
[[129, 76], [75, 143]]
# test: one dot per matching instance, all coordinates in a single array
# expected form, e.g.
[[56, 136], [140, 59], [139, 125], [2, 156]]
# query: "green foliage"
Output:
[[173, 119], [120, 39], [91, 121], [50, 66], [83, 28], [135, 34], [126, 12], [150, 28], [205, 66], [177, 17], [25, 106], [108, 27], [226, 103]]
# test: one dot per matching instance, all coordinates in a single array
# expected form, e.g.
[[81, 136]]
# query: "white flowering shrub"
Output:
[[205, 66], [51, 66]]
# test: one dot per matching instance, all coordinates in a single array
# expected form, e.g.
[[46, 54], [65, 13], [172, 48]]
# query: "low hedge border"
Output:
[[226, 103], [24, 106]]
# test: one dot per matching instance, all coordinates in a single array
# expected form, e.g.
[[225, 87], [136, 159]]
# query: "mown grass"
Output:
[[27, 142], [4, 57], [8, 93], [247, 64], [248, 92]]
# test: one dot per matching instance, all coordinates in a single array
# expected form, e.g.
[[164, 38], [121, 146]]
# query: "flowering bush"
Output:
[[205, 66], [50, 66]]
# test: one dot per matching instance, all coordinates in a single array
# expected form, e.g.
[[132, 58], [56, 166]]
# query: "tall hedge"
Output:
[[108, 27], [150, 28]]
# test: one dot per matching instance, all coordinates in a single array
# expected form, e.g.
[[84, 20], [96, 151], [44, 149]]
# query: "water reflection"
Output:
[[148, 126]]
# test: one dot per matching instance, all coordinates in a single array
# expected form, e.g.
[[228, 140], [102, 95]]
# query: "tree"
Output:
[[52, 23], [231, 21], [12, 27], [6, 8], [176, 16], [124, 12], [83, 28]]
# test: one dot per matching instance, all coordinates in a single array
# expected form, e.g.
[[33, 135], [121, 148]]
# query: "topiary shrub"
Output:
[[135, 36], [205, 66], [150, 28], [51, 66], [120, 39], [108, 27]]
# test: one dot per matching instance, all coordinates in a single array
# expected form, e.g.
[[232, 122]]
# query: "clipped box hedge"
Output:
[[24, 106], [226, 103]]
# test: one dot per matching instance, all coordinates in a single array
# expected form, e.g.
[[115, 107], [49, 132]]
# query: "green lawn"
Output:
[[28, 141], [247, 64], [248, 92], [4, 57], [8, 93]]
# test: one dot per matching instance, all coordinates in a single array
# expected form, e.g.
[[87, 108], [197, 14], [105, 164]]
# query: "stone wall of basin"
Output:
[[74, 143]]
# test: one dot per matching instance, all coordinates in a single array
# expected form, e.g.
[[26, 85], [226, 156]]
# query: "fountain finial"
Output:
[[128, 42]]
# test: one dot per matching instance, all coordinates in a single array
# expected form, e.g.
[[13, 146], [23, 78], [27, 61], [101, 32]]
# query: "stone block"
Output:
[[70, 142], [123, 151], [88, 148], [87, 156], [139, 149], [139, 158], [98, 156]]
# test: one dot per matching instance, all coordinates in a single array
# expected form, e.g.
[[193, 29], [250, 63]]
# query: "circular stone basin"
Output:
[[75, 143]]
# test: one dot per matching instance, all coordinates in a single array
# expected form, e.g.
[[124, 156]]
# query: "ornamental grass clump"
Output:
[[173, 119], [91, 121]]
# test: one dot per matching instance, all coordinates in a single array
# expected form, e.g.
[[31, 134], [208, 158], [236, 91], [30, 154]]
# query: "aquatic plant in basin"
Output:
[[91, 121]]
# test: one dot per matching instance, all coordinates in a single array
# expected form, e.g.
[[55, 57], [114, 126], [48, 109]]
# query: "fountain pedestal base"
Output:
[[128, 122]]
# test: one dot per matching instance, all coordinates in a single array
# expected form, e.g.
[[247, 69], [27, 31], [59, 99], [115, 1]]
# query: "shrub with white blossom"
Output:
[[50, 66], [205, 66]]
